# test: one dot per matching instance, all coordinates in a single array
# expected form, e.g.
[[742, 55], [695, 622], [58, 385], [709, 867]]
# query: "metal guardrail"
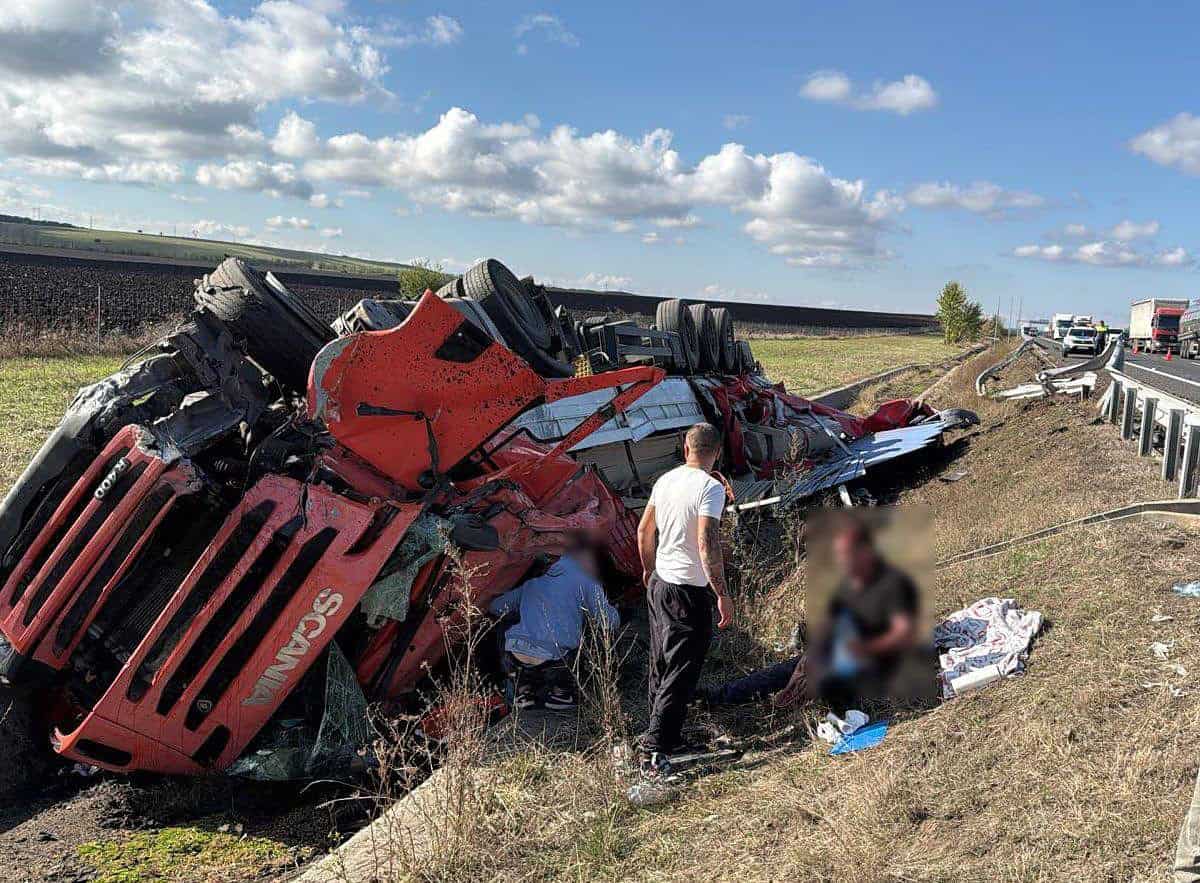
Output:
[[1139, 407]]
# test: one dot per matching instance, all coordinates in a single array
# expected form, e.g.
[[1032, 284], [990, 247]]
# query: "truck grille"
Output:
[[275, 582]]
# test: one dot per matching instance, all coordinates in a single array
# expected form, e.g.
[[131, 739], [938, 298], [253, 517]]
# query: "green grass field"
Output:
[[185, 248], [813, 364], [33, 394]]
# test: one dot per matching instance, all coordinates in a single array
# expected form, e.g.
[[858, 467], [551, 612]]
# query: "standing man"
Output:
[[680, 546]]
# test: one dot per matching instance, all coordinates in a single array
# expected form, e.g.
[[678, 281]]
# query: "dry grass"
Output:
[[1080, 769], [812, 364]]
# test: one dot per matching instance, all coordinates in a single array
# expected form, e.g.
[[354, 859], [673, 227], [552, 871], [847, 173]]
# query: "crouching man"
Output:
[[540, 646], [868, 649], [679, 542]]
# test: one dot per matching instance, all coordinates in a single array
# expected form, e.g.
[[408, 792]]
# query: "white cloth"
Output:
[[992, 631], [679, 498]]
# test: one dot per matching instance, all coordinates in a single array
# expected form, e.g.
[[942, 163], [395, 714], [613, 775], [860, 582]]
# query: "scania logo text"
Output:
[[310, 627]]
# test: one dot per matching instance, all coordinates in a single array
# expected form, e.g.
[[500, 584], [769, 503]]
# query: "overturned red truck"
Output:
[[259, 492]]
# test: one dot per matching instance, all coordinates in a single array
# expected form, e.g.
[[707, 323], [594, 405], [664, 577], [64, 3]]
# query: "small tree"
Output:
[[972, 320], [422, 274], [961, 319]]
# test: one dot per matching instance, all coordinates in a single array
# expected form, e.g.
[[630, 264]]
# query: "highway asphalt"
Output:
[[1177, 377]]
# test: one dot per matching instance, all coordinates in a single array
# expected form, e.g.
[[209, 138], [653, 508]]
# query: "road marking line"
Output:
[[1163, 373]]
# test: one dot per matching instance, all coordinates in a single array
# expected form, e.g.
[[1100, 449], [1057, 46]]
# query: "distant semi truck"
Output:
[[1154, 323], [1189, 333], [1060, 324]]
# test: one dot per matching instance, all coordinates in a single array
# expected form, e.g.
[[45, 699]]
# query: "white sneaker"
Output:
[[855, 721], [829, 733]]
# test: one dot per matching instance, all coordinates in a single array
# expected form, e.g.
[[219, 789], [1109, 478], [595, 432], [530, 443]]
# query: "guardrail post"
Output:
[[1146, 439], [1191, 453], [1171, 443], [1127, 414], [1114, 402]]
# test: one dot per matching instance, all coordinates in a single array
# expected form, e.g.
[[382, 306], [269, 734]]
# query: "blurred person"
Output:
[[551, 610], [868, 648], [680, 547]]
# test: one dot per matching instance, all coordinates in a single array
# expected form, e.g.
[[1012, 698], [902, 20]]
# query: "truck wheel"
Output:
[[727, 354], [674, 315], [280, 331], [517, 317], [710, 342], [453, 288]]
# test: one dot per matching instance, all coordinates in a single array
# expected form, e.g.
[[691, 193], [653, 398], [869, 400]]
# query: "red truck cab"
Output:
[[1164, 329]]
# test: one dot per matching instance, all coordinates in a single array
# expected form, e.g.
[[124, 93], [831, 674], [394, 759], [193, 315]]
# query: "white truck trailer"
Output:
[[1154, 323], [1060, 324]]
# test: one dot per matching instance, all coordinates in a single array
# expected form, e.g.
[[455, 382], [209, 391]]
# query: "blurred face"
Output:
[[585, 557], [853, 554]]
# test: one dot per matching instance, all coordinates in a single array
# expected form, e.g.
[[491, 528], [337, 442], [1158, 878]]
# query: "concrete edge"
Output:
[[841, 396]]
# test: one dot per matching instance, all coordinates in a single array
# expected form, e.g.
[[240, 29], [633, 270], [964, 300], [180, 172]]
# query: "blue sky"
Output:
[[857, 155]]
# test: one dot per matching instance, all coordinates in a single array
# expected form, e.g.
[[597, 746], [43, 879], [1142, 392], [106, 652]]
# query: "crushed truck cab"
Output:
[[204, 527]]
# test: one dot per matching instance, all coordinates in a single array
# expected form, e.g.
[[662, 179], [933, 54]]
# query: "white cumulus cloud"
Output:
[[1173, 143], [279, 222], [218, 230], [549, 27], [107, 87], [274, 179], [606, 180], [979, 197], [907, 95], [602, 282], [1107, 253]]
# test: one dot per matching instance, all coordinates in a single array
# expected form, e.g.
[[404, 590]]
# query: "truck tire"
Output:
[[746, 361], [453, 288], [674, 315], [279, 330], [706, 333], [727, 355], [517, 317], [504, 298]]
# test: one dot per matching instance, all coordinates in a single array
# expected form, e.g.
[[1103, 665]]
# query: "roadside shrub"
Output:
[[421, 275]]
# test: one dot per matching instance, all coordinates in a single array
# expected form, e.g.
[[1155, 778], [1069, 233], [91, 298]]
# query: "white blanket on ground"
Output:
[[992, 631]]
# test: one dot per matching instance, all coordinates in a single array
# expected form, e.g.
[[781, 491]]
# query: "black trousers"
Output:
[[681, 624], [756, 686]]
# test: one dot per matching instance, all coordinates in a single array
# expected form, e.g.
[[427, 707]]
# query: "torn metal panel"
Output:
[[862, 454], [892, 443], [1083, 384], [371, 314], [413, 402], [670, 405]]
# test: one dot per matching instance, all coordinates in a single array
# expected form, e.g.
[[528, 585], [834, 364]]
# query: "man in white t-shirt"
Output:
[[680, 546]]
